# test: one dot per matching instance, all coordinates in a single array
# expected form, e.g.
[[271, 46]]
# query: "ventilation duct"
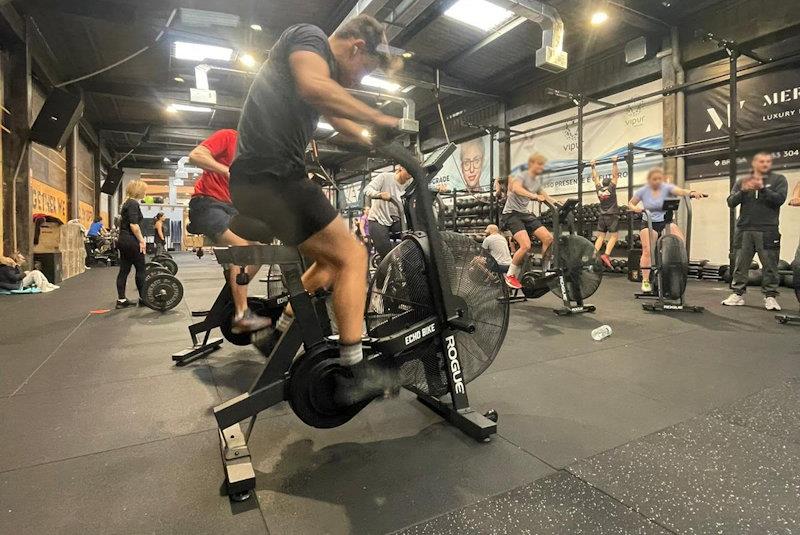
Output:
[[551, 57]]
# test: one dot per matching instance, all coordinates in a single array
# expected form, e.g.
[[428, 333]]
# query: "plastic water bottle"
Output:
[[601, 332]]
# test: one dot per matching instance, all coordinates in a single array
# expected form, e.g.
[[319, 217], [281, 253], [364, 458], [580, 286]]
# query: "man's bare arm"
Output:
[[315, 85], [349, 131], [202, 158], [517, 187]]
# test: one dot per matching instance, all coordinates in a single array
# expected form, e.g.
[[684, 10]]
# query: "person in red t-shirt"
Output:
[[210, 213]]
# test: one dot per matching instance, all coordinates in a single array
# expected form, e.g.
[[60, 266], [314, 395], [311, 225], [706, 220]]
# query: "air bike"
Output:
[[670, 264], [425, 318], [576, 271]]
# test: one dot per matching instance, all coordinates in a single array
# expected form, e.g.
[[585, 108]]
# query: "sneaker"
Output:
[[513, 282], [647, 287], [606, 261], [734, 300], [770, 303], [367, 380], [125, 303], [249, 323]]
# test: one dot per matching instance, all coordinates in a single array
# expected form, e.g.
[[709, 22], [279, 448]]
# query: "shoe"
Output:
[[606, 261], [770, 303], [734, 300], [513, 282], [366, 381], [124, 304], [249, 323], [647, 287]]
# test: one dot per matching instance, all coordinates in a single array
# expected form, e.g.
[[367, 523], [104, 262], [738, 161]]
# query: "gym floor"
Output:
[[675, 424]]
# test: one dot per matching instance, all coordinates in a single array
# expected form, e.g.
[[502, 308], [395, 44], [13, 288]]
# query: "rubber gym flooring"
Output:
[[675, 424]]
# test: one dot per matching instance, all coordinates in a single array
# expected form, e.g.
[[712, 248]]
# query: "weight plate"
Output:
[[167, 263], [155, 270], [531, 288], [162, 292], [313, 379], [152, 265]]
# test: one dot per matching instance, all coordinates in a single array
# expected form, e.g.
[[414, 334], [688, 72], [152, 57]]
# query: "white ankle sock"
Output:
[[351, 355], [283, 322], [513, 270]]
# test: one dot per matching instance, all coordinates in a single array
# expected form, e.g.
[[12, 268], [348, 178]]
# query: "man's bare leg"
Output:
[[249, 322], [340, 259]]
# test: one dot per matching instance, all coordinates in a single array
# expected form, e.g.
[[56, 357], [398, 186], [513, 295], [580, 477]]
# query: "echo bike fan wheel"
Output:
[[583, 271], [399, 297], [671, 253]]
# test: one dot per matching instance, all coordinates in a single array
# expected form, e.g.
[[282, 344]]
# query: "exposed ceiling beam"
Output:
[[637, 19], [430, 14], [338, 14], [483, 43]]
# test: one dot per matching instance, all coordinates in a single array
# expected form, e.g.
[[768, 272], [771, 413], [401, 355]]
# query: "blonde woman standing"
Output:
[[131, 243]]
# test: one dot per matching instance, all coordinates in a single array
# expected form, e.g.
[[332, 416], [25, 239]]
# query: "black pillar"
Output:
[[733, 133], [17, 203]]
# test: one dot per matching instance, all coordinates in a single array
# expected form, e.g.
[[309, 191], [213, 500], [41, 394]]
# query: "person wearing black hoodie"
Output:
[[760, 196]]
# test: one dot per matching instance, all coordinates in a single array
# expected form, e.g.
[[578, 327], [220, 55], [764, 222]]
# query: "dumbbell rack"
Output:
[[469, 213]]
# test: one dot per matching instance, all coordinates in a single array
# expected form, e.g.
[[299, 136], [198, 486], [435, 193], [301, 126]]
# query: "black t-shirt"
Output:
[[276, 124], [130, 213], [608, 198]]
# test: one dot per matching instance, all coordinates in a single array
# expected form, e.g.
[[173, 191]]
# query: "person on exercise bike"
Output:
[[608, 222], [386, 191], [650, 198], [210, 214], [524, 187], [304, 78]]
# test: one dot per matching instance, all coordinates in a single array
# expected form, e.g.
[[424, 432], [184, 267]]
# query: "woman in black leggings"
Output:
[[131, 242]]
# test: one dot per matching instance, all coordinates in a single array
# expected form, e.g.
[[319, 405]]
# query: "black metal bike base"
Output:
[[569, 311], [469, 422], [784, 319], [666, 307], [185, 356]]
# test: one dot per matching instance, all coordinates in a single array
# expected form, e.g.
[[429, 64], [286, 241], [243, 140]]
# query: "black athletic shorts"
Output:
[[209, 216], [658, 226], [294, 207], [518, 222], [608, 223]]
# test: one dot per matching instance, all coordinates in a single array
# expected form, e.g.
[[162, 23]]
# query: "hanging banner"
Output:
[[85, 214], [605, 134], [767, 101], [468, 168], [352, 195], [48, 200]]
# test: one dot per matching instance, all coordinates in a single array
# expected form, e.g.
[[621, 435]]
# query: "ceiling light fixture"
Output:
[[200, 52], [599, 17], [256, 27], [174, 108], [247, 60], [179, 79], [480, 14], [408, 54], [380, 83]]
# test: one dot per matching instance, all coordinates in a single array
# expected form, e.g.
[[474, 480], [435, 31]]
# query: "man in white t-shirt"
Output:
[[495, 245]]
